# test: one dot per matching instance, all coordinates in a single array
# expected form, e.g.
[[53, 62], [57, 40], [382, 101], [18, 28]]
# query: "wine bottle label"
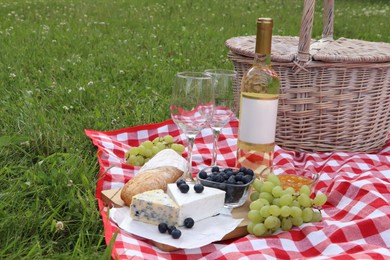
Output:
[[258, 118]]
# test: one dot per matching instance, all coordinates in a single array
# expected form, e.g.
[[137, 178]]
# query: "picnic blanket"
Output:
[[356, 217]]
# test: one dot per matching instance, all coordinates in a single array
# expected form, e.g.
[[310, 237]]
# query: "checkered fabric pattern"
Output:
[[356, 218]]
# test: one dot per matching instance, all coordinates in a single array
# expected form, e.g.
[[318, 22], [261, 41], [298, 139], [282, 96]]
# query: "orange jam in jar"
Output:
[[294, 181]]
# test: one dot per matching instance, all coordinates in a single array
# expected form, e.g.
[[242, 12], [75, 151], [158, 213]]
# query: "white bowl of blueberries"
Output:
[[235, 182]]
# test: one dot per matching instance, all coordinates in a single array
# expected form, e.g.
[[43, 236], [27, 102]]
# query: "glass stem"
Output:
[[189, 177], [216, 134]]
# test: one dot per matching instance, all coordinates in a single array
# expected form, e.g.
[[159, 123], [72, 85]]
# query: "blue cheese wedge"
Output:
[[154, 207], [197, 206]]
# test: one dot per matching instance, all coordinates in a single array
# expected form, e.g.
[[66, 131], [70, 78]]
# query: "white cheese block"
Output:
[[197, 206], [166, 157], [154, 207]]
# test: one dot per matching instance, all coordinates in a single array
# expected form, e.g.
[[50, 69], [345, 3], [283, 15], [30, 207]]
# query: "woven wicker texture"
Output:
[[349, 50], [335, 95]]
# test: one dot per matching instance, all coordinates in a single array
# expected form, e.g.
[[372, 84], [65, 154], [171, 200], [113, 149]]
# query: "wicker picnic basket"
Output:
[[335, 94]]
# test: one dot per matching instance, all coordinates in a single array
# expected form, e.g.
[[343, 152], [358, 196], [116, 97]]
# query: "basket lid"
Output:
[[357, 51], [285, 49]]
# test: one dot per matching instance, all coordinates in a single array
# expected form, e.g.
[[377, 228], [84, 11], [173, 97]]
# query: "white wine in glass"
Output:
[[225, 106], [192, 106]]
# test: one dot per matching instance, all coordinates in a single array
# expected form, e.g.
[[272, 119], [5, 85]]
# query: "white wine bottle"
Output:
[[258, 105]]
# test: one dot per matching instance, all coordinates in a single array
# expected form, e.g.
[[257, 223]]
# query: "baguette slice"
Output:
[[152, 179]]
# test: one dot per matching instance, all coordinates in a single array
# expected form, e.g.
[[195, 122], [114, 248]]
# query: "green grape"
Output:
[[254, 196], [168, 139], [256, 205], [277, 192], [249, 227], [179, 148], [257, 184], [307, 214], [259, 229], [141, 149], [139, 160], [297, 221], [127, 155], [134, 151], [264, 211], [305, 190], [320, 199], [276, 201], [295, 203], [286, 200], [296, 212], [278, 223], [317, 217], [304, 200], [146, 152], [274, 179], [147, 149], [285, 211], [156, 140], [265, 202], [267, 196], [289, 190], [155, 150], [161, 146], [286, 224], [274, 210], [254, 216], [267, 187], [132, 160], [271, 222], [148, 144]]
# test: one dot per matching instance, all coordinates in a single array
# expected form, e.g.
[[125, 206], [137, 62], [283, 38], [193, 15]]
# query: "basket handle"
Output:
[[327, 33], [303, 56]]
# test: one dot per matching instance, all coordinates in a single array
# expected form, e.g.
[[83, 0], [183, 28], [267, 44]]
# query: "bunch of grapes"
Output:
[[274, 208], [138, 156]]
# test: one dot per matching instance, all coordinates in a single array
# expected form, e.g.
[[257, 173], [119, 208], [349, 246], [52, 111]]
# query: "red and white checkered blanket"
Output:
[[356, 218]]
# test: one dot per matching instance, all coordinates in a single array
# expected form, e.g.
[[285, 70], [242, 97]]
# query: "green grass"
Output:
[[70, 65]]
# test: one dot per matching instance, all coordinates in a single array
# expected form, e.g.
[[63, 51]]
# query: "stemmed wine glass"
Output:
[[225, 106], [192, 106]]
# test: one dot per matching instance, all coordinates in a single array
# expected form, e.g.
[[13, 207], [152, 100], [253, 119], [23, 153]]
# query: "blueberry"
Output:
[[184, 188], [189, 222], [225, 176], [239, 183], [219, 178], [235, 172], [227, 169], [203, 174], [249, 172], [242, 169], [229, 173], [176, 233], [247, 179], [170, 229], [162, 227], [215, 169], [198, 188], [179, 182], [231, 180], [239, 176]]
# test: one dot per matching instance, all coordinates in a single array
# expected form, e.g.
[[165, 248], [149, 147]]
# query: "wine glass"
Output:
[[192, 106], [225, 106]]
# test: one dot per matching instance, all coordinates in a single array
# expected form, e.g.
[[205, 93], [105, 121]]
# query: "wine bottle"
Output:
[[258, 105]]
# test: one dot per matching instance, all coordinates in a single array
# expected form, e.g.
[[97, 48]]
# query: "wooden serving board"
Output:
[[112, 198]]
